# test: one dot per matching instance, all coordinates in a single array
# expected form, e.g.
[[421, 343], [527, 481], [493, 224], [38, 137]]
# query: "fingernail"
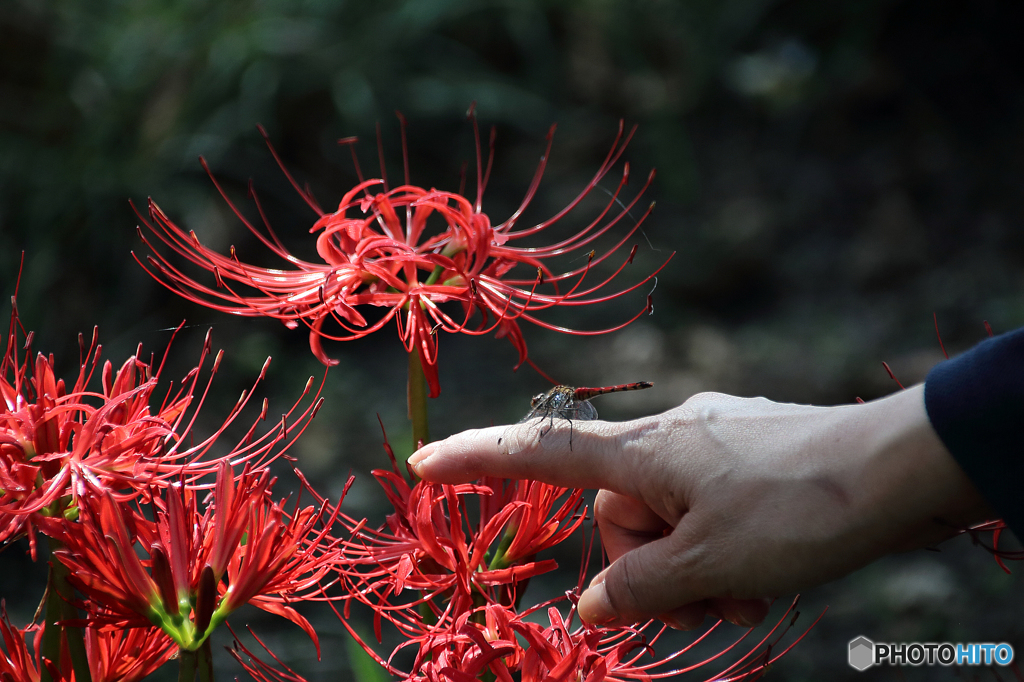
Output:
[[598, 579], [417, 458], [595, 607]]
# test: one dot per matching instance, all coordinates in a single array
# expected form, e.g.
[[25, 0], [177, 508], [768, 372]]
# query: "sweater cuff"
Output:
[[975, 403]]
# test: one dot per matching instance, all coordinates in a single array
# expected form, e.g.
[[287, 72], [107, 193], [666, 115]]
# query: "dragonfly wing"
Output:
[[542, 410], [580, 410], [529, 415]]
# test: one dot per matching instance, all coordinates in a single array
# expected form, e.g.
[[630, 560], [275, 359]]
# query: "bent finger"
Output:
[[626, 523], [746, 613], [743, 612], [655, 578]]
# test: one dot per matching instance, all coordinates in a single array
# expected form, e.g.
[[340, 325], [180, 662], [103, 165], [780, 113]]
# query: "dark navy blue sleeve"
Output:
[[976, 404]]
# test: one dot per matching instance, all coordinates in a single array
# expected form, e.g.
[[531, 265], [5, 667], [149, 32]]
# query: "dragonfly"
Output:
[[569, 403]]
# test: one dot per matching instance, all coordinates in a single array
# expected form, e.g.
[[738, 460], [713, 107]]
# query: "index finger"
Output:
[[587, 454]]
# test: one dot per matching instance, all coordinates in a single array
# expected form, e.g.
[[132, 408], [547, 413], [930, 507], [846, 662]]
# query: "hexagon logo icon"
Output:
[[862, 653]]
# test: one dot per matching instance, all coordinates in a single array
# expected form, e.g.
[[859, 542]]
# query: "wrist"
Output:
[[909, 482]]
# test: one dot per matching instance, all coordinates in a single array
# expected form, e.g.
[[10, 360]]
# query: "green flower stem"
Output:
[[59, 595], [434, 276], [426, 615], [205, 662], [187, 661], [479, 601], [498, 560], [420, 430], [418, 400]]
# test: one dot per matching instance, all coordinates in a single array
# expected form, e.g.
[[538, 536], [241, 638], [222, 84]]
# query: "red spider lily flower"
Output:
[[113, 656], [431, 554], [202, 565], [54, 442], [377, 250], [507, 643]]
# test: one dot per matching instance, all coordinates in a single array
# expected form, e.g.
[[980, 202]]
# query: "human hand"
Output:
[[723, 502]]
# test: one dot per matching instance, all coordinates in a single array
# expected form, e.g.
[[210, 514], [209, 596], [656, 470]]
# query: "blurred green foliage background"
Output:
[[830, 174]]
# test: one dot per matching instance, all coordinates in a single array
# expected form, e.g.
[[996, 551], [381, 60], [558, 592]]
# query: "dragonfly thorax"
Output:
[[555, 398]]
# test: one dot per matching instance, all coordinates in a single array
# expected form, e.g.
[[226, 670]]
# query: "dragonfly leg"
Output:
[[551, 425]]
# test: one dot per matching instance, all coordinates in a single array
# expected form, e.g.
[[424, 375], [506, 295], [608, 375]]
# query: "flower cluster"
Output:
[[378, 251], [79, 465], [496, 642], [55, 442]]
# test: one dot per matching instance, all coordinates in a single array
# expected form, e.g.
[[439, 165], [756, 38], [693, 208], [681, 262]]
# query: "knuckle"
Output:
[[700, 401], [636, 440]]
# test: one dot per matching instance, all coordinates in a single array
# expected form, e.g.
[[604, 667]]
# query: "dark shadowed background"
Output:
[[830, 175]]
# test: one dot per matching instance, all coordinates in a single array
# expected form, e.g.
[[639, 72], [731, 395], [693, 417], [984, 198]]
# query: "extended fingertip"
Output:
[[417, 458]]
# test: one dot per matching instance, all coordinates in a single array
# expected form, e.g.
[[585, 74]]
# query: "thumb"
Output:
[[653, 579]]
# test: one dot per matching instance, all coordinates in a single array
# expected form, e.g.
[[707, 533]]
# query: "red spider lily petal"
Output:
[[998, 553], [377, 258], [231, 513], [16, 663], [180, 543]]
